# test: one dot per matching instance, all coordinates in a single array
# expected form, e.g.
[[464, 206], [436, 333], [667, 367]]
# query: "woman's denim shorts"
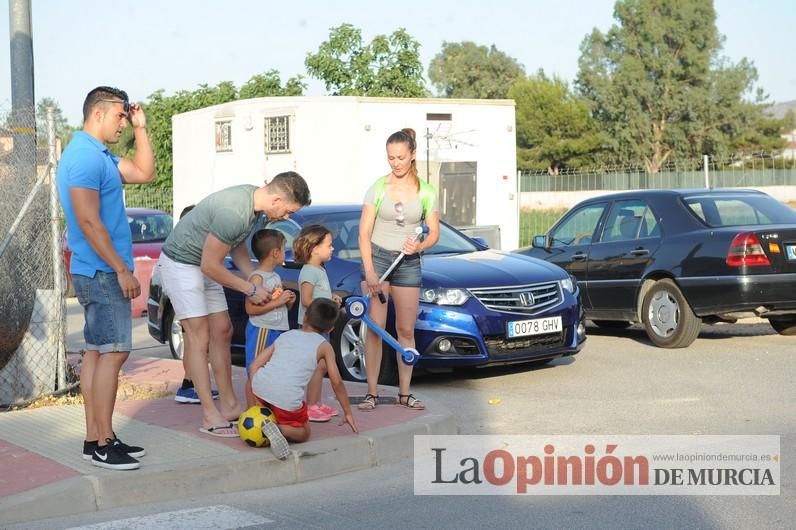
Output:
[[406, 274], [108, 314]]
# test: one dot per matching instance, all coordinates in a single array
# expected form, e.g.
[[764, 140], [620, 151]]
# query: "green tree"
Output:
[[467, 70], [658, 87], [388, 66], [270, 84], [765, 135], [554, 127], [62, 128]]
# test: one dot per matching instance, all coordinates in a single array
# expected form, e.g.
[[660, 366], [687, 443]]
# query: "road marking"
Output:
[[220, 517]]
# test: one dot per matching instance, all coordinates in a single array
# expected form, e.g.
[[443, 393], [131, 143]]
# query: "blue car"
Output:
[[478, 306]]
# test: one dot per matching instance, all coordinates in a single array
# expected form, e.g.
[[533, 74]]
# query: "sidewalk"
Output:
[[42, 473]]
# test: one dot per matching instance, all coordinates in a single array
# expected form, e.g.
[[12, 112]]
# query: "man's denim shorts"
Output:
[[108, 314], [406, 274]]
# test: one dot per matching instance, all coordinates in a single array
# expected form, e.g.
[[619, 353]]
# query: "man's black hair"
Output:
[[99, 94]]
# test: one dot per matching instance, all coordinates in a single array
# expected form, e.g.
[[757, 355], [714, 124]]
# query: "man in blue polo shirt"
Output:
[[90, 182]]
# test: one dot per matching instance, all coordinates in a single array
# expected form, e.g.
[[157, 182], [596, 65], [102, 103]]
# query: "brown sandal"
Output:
[[410, 402], [369, 402]]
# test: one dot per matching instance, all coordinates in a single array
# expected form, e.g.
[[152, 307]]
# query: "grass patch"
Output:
[[537, 222]]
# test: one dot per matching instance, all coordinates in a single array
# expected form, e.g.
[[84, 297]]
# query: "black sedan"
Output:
[[478, 306], [673, 259]]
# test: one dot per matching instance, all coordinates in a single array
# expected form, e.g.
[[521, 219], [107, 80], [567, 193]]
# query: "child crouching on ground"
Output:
[[281, 373]]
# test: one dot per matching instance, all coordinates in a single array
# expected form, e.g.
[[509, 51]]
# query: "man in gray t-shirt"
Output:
[[193, 275]]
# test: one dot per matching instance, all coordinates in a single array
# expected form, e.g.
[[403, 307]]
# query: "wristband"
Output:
[[254, 291]]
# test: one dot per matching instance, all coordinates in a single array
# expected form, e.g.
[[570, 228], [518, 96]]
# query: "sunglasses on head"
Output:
[[124, 102]]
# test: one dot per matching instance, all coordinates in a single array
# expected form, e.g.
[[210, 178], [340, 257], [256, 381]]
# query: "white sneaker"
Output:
[[279, 444]]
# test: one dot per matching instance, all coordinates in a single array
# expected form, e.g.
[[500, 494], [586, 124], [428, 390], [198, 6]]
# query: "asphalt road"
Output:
[[735, 379]]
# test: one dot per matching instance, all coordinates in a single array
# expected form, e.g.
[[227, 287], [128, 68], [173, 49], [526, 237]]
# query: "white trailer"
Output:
[[465, 148]]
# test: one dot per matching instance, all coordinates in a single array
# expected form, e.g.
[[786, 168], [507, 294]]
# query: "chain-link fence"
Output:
[[149, 197], [32, 317], [545, 197]]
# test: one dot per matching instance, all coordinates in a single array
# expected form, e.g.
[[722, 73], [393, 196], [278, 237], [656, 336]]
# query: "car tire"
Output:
[[174, 336], [784, 326], [667, 316], [348, 341], [612, 324]]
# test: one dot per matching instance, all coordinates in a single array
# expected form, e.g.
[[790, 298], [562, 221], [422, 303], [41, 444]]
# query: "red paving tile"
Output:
[[38, 470], [187, 418]]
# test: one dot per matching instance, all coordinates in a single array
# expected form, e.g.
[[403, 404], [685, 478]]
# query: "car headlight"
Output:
[[443, 296], [568, 284]]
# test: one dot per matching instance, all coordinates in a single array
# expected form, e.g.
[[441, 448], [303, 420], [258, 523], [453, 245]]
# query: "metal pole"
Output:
[[57, 257], [22, 99], [707, 176]]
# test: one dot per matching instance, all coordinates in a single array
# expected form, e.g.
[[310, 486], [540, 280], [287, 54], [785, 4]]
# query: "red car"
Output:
[[149, 228]]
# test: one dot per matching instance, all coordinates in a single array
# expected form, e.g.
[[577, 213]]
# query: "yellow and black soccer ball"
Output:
[[250, 425]]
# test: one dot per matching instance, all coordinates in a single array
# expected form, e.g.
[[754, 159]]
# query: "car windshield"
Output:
[[345, 233], [152, 227], [739, 210]]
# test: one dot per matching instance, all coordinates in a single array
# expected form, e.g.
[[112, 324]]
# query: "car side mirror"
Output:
[[481, 241], [540, 242]]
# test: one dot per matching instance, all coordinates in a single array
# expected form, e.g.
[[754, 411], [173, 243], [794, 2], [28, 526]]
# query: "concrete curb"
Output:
[[246, 471]]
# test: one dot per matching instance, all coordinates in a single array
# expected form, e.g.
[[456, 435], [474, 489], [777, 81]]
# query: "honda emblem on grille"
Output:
[[526, 299]]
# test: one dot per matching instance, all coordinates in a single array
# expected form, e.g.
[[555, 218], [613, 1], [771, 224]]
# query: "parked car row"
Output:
[[673, 259], [478, 306], [669, 259]]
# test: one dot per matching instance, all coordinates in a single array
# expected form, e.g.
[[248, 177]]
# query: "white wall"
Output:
[[338, 145]]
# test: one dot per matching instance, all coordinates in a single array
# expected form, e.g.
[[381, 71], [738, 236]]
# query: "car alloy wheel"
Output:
[[175, 338], [663, 314], [667, 317], [348, 340], [351, 335]]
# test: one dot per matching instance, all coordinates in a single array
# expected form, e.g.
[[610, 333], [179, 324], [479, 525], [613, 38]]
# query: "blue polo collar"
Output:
[[93, 141]]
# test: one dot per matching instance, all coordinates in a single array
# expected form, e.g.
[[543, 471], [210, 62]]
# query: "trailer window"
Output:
[[223, 136], [277, 134]]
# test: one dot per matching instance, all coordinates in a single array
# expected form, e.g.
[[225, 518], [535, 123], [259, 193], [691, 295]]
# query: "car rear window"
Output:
[[739, 210], [148, 228]]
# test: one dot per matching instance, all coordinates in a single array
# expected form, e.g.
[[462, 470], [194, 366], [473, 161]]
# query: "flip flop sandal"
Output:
[[368, 403], [410, 402], [221, 431]]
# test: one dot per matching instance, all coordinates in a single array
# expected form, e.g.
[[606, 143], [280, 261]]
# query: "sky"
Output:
[[145, 45]]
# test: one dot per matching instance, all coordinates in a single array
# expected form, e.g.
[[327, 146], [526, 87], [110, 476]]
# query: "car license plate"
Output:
[[537, 326], [791, 251]]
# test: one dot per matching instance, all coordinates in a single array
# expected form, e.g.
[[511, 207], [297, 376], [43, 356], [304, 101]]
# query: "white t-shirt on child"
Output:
[[283, 380], [277, 317]]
